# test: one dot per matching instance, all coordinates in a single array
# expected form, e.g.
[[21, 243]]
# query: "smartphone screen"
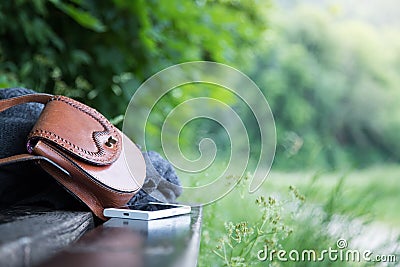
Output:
[[152, 206]]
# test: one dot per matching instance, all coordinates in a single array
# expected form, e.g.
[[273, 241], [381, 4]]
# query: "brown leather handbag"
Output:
[[83, 151]]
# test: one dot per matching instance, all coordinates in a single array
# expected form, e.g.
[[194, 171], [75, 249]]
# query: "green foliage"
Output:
[[100, 51], [85, 19], [327, 79], [332, 85], [237, 247], [317, 203], [284, 222]]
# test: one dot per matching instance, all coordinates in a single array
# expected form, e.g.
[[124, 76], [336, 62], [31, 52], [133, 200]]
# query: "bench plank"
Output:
[[122, 242], [30, 235]]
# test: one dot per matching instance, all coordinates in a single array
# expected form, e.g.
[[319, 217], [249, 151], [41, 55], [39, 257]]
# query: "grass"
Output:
[[236, 227], [373, 192]]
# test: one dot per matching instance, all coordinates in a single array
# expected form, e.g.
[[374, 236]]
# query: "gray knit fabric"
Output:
[[16, 123], [25, 182], [161, 183]]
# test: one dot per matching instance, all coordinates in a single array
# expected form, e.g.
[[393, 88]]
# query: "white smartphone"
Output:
[[148, 211]]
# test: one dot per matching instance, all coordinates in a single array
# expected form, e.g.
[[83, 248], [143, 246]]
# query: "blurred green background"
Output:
[[330, 71]]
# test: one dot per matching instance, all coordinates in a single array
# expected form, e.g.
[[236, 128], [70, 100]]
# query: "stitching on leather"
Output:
[[98, 117]]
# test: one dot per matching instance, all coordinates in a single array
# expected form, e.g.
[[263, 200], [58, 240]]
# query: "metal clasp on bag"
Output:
[[111, 141]]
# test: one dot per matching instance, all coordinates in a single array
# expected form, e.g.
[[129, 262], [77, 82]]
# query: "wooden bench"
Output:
[[33, 236]]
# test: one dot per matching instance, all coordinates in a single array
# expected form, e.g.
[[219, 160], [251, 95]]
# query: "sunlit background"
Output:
[[330, 71]]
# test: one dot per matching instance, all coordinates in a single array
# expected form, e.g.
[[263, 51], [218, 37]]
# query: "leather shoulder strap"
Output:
[[18, 158], [10, 102], [14, 101], [27, 157]]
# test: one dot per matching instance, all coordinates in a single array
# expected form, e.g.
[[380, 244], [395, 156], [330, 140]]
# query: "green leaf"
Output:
[[82, 17]]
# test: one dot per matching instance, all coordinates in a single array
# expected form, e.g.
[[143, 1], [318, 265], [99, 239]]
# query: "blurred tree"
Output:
[[332, 86]]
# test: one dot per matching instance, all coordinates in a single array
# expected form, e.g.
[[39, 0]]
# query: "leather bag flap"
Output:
[[78, 130]]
